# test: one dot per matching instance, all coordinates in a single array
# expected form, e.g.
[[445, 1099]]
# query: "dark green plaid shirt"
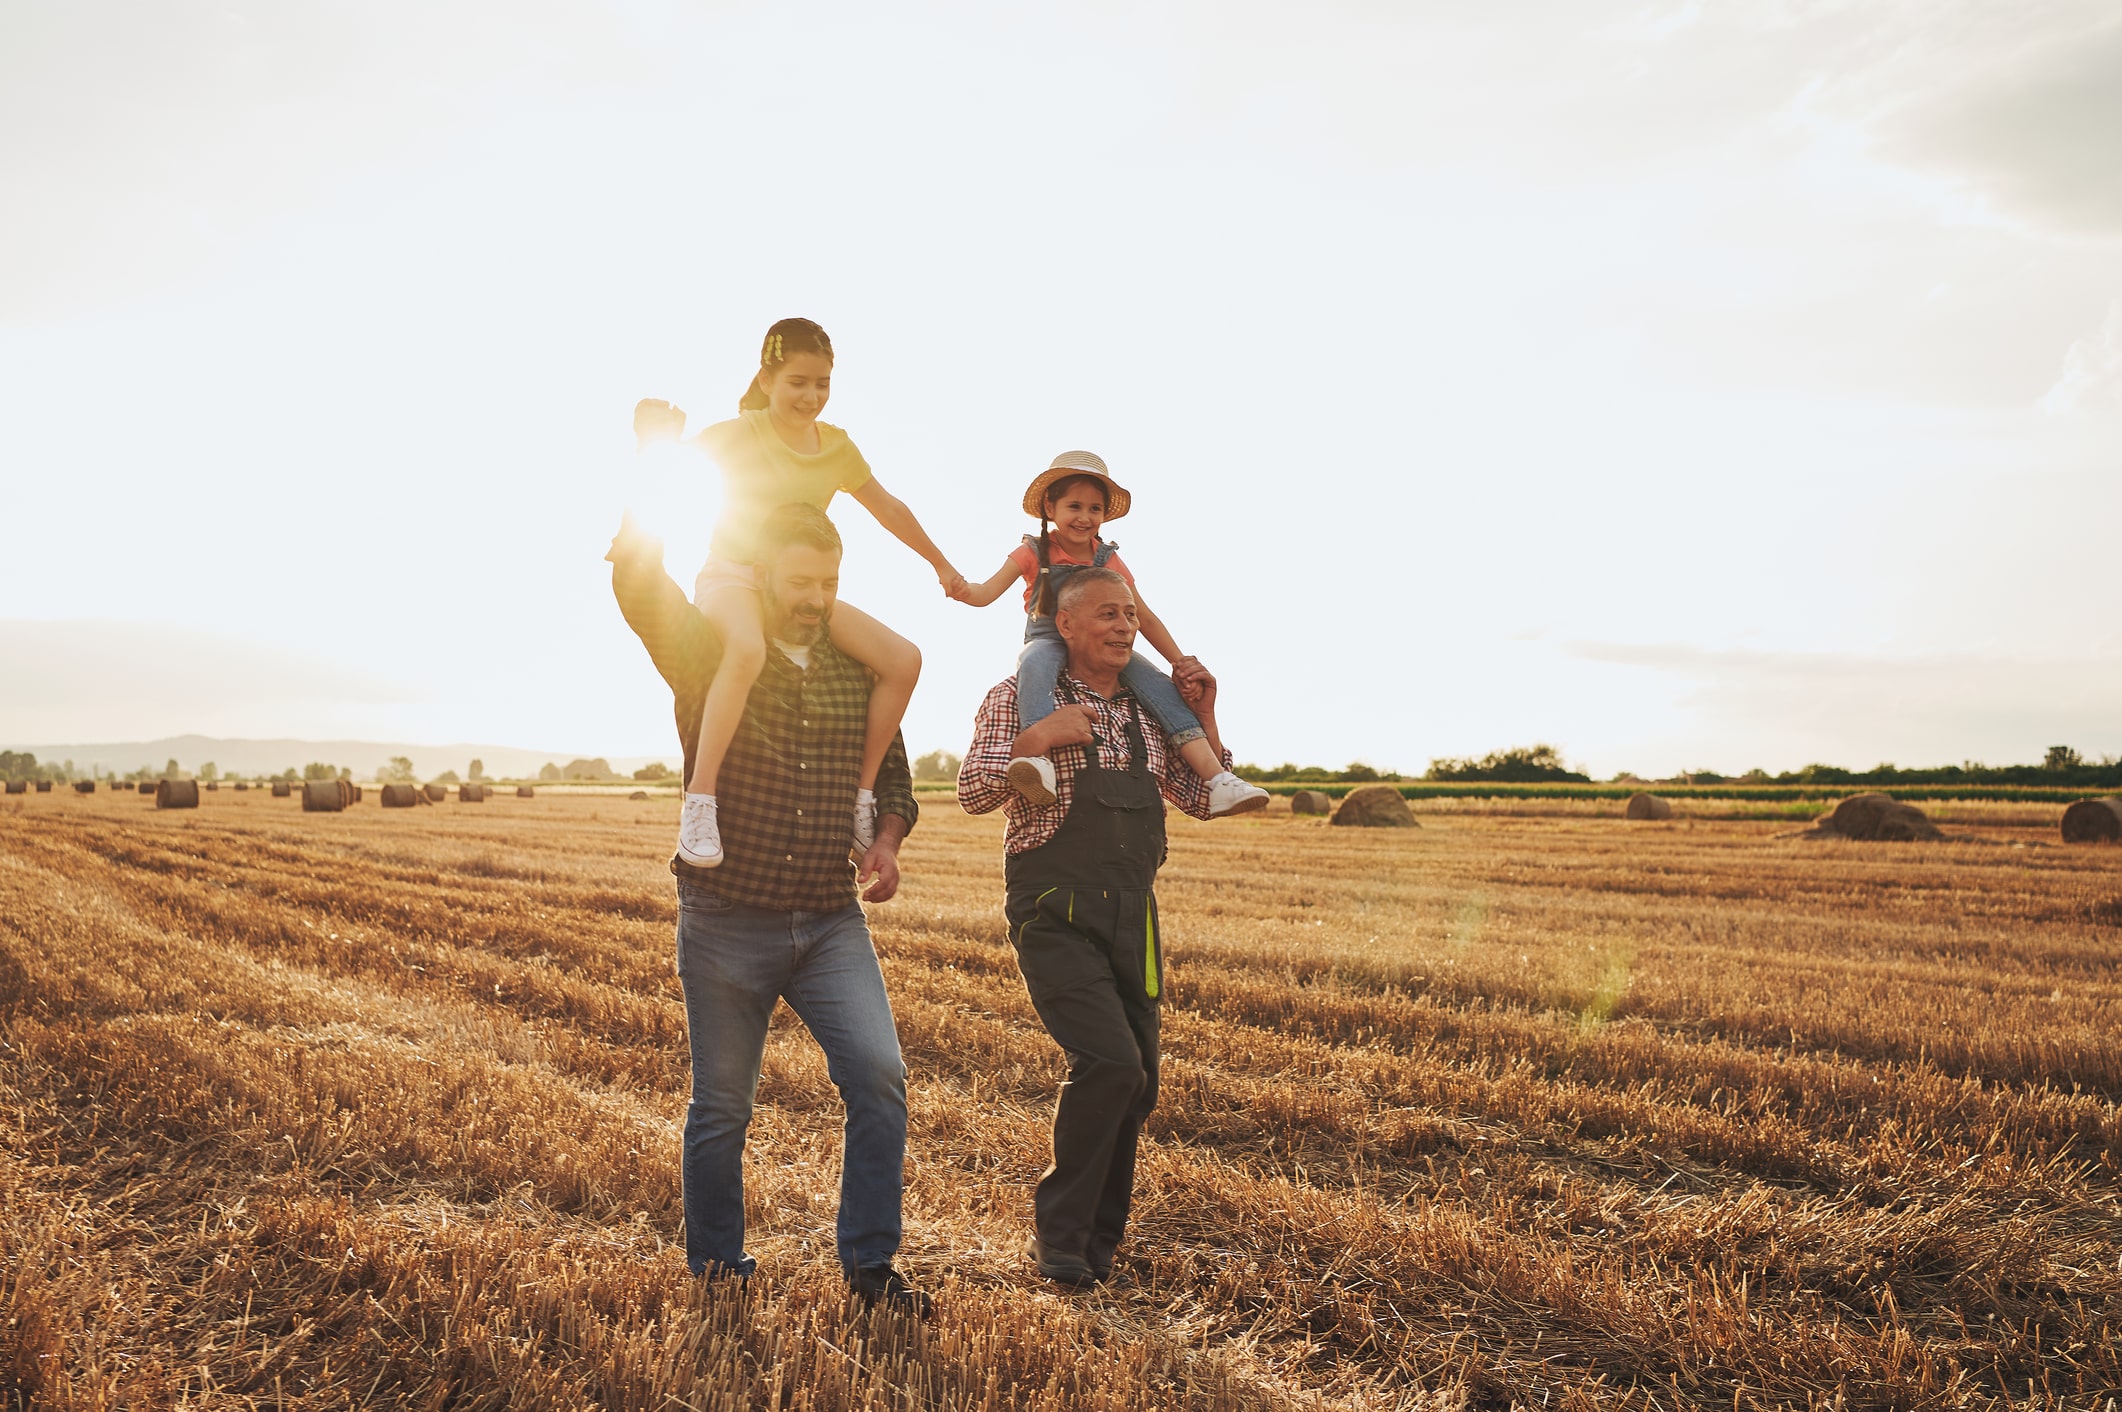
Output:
[[785, 800]]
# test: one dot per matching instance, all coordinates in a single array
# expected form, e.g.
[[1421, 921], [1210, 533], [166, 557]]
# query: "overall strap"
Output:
[[1137, 747], [1105, 550]]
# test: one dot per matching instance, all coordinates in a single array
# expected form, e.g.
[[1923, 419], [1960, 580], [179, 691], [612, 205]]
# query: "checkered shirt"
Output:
[[785, 798], [983, 780]]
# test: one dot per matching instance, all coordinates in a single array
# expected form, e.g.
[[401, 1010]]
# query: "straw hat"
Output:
[[1077, 463]]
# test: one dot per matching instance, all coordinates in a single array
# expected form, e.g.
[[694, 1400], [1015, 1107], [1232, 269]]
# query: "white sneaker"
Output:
[[865, 819], [699, 841], [1227, 794], [1033, 777]]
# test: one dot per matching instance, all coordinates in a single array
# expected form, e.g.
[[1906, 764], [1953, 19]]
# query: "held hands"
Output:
[[655, 421], [1197, 685], [954, 585]]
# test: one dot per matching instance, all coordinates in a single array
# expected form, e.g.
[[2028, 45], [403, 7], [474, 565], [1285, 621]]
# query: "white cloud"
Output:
[[2091, 380]]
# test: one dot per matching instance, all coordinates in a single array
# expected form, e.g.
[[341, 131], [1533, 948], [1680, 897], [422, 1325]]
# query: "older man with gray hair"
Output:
[[1082, 907]]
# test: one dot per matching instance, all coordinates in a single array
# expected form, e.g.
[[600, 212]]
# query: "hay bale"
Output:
[[638, 794], [399, 796], [84, 786], [471, 794], [1311, 801], [18, 786], [213, 785], [282, 789], [436, 793], [1375, 806], [241, 786], [1877, 818], [1648, 806], [177, 794], [2093, 821], [44, 786], [326, 796], [524, 791]]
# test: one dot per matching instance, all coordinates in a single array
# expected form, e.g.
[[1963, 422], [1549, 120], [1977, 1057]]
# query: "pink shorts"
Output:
[[718, 574]]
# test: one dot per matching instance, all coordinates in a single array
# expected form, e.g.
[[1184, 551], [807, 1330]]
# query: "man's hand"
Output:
[[656, 420], [1068, 725], [1192, 679], [954, 585], [878, 873]]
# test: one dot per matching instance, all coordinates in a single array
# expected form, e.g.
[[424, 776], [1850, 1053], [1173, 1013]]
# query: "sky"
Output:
[[1690, 386]]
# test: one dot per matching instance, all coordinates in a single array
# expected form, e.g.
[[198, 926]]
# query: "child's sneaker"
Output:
[[865, 819], [699, 841], [1227, 794], [1033, 777]]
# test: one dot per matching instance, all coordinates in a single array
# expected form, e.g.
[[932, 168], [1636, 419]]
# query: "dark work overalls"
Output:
[[1083, 919]]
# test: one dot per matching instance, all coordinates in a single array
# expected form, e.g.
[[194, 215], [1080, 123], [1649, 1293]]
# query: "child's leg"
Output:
[[897, 664], [735, 613], [1182, 728], [1039, 666]]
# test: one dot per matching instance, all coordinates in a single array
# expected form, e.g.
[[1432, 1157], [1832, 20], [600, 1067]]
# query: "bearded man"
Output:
[[779, 919]]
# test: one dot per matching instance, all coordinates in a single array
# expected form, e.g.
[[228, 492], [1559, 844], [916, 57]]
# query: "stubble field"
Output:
[[381, 1109]]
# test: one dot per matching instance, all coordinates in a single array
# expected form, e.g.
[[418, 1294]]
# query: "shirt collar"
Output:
[[1124, 693]]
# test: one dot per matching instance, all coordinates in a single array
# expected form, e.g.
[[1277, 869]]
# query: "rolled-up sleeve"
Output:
[[895, 785]]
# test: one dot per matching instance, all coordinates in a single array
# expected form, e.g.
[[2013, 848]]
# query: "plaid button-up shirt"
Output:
[[785, 801], [983, 780]]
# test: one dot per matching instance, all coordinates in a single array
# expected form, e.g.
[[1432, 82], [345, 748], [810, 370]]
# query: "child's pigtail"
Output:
[[1045, 595]]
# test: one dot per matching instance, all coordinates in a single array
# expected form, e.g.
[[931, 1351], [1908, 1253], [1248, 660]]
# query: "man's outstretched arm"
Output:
[[679, 639]]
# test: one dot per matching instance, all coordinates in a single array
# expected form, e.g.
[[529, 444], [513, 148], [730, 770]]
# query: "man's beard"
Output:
[[791, 629]]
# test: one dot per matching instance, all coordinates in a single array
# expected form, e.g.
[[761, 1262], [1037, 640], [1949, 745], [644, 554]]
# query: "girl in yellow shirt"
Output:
[[776, 452]]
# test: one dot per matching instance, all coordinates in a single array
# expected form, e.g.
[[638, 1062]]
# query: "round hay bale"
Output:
[[213, 785], [638, 794], [471, 794], [1311, 801], [1878, 818], [399, 796], [524, 791], [1375, 806], [2093, 821], [282, 789], [436, 793], [177, 794], [84, 786], [1648, 806], [44, 786], [326, 796], [18, 786], [241, 786]]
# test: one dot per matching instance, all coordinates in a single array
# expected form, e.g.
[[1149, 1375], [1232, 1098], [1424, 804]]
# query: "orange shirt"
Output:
[[1026, 558]]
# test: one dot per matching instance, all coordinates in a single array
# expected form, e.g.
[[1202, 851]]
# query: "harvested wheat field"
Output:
[[381, 1109]]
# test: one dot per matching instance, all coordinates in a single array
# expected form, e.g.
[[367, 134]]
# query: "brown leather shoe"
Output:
[[1061, 1267]]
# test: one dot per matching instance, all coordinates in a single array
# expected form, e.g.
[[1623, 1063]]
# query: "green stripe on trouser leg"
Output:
[[1149, 947]]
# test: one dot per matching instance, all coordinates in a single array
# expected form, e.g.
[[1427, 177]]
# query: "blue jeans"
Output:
[[1044, 657], [735, 962]]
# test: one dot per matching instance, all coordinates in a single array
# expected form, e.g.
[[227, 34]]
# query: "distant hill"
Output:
[[269, 757]]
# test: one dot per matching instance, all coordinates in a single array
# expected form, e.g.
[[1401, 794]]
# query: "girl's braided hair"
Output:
[[1047, 598], [785, 339]]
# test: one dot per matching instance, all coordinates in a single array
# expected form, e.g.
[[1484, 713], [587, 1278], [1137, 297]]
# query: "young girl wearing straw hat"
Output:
[[776, 452], [1073, 498]]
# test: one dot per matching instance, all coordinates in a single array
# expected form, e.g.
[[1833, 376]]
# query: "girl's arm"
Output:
[[1159, 636], [891, 512], [979, 595], [1185, 670]]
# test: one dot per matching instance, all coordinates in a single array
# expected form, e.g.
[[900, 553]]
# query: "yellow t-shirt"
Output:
[[761, 473]]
